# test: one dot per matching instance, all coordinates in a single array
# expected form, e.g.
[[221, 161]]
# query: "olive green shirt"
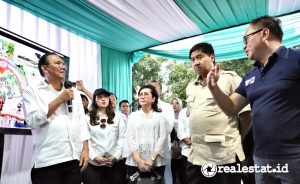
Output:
[[215, 136]]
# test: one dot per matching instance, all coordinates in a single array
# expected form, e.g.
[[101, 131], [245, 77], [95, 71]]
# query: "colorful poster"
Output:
[[18, 67]]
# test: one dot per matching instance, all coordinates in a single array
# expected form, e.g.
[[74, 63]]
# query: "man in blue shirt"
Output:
[[272, 88]]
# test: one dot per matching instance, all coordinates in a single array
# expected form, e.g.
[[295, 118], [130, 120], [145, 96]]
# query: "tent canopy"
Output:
[[134, 25], [126, 29]]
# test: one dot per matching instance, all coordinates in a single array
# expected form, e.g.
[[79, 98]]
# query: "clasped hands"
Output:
[[145, 165], [105, 161]]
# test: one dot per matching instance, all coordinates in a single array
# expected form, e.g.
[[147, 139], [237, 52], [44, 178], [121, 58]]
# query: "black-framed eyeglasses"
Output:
[[248, 36]]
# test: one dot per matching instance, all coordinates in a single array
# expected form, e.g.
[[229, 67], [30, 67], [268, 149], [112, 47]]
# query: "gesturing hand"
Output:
[[213, 76]]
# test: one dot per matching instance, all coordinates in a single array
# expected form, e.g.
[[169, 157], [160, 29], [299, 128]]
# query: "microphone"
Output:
[[68, 85]]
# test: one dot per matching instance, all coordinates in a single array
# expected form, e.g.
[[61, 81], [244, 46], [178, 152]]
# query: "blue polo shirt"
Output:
[[274, 95]]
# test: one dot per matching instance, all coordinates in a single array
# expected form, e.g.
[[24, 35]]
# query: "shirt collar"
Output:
[[278, 53]]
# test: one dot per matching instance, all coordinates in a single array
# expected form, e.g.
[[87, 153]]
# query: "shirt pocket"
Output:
[[210, 104]]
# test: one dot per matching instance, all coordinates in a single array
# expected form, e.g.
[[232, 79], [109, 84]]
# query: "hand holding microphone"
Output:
[[68, 93]]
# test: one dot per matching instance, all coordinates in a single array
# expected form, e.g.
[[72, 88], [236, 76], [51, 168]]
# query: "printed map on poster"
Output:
[[18, 67]]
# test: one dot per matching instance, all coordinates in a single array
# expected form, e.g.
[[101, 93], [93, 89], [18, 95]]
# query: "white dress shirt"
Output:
[[147, 133], [168, 113], [183, 132], [106, 141], [60, 137]]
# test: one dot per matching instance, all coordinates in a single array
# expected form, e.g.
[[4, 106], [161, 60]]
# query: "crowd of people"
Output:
[[165, 142]]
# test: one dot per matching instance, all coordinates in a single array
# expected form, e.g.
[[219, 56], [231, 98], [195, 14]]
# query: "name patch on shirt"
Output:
[[250, 81]]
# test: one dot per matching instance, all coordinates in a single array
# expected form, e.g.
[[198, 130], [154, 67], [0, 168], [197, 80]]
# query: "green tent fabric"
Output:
[[116, 73], [228, 43], [213, 15], [219, 22]]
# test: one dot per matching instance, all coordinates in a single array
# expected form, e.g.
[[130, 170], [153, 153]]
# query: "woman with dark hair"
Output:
[[107, 131], [147, 139]]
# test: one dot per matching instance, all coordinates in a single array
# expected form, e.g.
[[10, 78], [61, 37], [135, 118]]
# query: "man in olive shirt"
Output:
[[215, 136]]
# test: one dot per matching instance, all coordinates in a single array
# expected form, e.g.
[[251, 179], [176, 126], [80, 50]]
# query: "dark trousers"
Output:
[[102, 175], [63, 173], [178, 169], [195, 176], [248, 146], [123, 169]]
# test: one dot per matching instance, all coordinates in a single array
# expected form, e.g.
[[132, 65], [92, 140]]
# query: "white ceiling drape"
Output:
[[161, 20], [85, 60]]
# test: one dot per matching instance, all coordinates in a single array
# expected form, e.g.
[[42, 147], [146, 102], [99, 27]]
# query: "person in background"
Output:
[[272, 88], [147, 139], [107, 131], [85, 103], [168, 113], [124, 107], [184, 136], [215, 136], [125, 110], [60, 139], [114, 101], [176, 161], [87, 94]]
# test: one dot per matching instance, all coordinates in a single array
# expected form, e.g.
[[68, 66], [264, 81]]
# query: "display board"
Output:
[[18, 68]]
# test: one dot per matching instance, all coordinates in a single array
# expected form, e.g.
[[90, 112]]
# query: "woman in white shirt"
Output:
[[107, 131], [147, 139]]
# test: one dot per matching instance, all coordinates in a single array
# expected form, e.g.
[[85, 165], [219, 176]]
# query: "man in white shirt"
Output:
[[60, 143], [183, 134], [168, 113], [124, 107]]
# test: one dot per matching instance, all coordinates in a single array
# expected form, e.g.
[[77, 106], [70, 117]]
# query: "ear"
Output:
[[44, 69], [212, 57], [265, 34], [153, 99]]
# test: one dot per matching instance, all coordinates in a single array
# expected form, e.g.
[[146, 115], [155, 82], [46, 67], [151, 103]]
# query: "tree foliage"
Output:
[[181, 73], [240, 66], [177, 76], [145, 70]]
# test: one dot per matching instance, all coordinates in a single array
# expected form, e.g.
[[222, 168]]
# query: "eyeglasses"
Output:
[[60, 64], [248, 36]]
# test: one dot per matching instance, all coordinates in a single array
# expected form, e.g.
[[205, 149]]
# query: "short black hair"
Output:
[[206, 48], [123, 101], [156, 81], [272, 23], [84, 97], [44, 61]]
